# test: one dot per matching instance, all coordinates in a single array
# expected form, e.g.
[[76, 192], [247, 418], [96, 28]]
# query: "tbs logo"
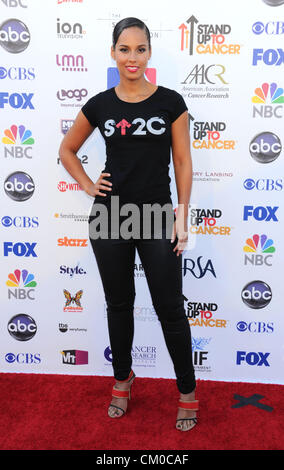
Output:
[[256, 294], [260, 213], [253, 358]]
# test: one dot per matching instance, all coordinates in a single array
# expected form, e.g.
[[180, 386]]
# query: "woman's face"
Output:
[[131, 53]]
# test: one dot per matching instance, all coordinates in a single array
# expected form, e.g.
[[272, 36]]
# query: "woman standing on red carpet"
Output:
[[141, 123]]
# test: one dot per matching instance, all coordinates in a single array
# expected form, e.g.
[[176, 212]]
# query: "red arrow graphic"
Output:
[[123, 124], [183, 27]]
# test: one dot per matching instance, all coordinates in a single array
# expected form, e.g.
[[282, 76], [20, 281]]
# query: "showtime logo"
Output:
[[63, 187]]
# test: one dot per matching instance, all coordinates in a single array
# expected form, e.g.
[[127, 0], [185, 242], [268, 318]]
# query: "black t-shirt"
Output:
[[138, 142]]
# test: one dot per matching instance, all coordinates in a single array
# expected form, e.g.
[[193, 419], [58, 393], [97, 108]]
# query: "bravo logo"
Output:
[[268, 101], [260, 213], [203, 221], [207, 135], [256, 294], [259, 251], [206, 38]]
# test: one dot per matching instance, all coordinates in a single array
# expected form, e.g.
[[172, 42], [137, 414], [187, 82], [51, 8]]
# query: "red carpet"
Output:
[[60, 412]]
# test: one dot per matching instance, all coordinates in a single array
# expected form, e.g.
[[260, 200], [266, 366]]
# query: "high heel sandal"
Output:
[[122, 393], [188, 405]]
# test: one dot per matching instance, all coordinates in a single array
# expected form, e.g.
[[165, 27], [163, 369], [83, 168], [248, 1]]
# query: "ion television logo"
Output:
[[256, 294], [265, 147], [19, 186], [14, 36], [22, 327]]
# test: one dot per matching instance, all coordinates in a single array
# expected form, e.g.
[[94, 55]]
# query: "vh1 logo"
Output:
[[113, 76], [74, 357]]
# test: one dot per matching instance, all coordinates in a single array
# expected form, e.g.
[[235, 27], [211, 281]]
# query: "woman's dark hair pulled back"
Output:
[[129, 22]]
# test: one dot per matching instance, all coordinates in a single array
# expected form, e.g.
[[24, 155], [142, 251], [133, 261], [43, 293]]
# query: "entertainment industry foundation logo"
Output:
[[203, 222], [21, 136], [14, 36], [258, 251], [206, 38], [73, 303], [268, 101], [200, 354], [207, 136], [256, 294], [201, 314], [21, 285]]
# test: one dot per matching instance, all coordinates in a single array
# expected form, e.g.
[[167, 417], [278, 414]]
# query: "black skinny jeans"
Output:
[[163, 270]]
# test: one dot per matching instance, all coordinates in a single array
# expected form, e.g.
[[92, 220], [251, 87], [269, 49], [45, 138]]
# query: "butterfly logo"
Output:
[[75, 299]]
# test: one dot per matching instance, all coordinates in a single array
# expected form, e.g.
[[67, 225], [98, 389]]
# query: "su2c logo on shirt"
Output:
[[154, 125]]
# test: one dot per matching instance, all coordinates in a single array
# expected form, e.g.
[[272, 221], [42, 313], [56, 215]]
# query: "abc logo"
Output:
[[265, 147], [22, 327], [14, 36], [19, 186], [256, 294]]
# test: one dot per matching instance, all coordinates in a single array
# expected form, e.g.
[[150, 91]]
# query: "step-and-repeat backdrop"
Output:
[[226, 60]]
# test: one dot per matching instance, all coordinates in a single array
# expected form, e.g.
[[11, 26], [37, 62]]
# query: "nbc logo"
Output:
[[268, 93], [258, 250], [21, 278], [21, 136]]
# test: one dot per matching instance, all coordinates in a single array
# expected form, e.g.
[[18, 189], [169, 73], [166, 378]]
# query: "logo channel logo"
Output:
[[265, 147], [263, 184], [256, 294], [259, 250], [113, 76], [21, 278], [14, 36], [268, 94], [74, 357], [19, 186], [22, 327], [21, 136], [260, 213]]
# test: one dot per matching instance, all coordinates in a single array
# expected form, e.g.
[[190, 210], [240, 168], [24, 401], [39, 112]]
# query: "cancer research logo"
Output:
[[268, 100], [14, 36], [206, 38], [113, 76], [265, 147]]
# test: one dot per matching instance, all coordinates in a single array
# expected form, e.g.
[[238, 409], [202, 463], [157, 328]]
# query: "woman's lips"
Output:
[[132, 68]]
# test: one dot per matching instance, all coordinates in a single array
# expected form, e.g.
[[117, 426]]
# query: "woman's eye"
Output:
[[123, 49], [142, 49]]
